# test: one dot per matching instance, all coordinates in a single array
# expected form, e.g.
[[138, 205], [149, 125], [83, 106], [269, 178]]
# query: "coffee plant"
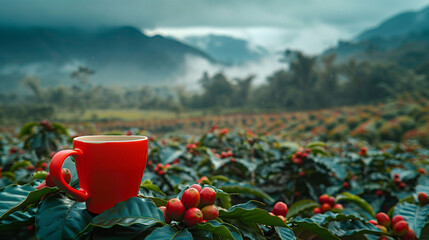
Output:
[[225, 184]]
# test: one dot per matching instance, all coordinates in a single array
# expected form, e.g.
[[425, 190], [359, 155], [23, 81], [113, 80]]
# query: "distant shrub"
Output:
[[339, 132]]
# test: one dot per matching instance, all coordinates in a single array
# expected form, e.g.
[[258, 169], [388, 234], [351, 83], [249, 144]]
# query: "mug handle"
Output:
[[55, 171]]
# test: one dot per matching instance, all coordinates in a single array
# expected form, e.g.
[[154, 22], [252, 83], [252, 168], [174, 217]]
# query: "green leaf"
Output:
[[148, 184], [169, 154], [168, 232], [285, 233], [15, 198], [421, 188], [10, 175], [59, 217], [352, 228], [409, 199], [41, 175], [249, 231], [345, 225], [331, 165], [315, 144], [20, 164], [404, 174], [246, 189], [17, 220], [250, 166], [60, 129], [425, 232], [216, 228], [119, 233], [318, 150], [348, 197], [415, 214], [308, 229], [300, 207], [225, 200], [27, 129], [158, 201], [219, 178], [132, 211], [249, 213], [234, 231]]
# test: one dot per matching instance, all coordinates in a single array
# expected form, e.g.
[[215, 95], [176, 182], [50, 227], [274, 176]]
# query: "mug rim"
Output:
[[109, 138]]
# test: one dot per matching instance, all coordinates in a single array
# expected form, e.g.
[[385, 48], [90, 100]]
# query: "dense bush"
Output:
[[241, 167]]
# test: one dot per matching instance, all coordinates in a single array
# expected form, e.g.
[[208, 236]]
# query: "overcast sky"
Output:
[[309, 25]]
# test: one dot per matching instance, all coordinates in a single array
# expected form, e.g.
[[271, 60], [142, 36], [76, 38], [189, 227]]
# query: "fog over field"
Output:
[[308, 26]]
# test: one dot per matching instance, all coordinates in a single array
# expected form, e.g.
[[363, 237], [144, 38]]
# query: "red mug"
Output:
[[110, 169]]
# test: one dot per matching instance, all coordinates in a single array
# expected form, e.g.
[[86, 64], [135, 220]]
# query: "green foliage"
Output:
[[59, 217], [168, 232], [142, 212], [348, 197], [239, 166], [415, 214], [19, 198], [43, 137], [300, 207]]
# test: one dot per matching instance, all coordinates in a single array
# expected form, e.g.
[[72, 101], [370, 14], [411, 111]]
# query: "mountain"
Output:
[[119, 55], [227, 49], [402, 39], [399, 25]]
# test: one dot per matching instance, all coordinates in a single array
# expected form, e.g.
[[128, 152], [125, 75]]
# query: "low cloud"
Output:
[[196, 66]]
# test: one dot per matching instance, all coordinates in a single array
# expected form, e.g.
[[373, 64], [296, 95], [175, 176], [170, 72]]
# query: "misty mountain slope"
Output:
[[399, 25], [402, 39], [227, 49], [130, 45], [124, 53]]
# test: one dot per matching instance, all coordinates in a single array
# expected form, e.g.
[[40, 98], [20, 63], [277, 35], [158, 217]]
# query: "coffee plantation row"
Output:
[[400, 120], [264, 186]]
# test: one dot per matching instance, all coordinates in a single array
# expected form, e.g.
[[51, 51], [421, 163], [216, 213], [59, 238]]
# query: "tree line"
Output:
[[309, 83], [306, 82]]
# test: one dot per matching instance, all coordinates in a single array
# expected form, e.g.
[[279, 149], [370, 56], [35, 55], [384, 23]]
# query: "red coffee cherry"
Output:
[[210, 212], [382, 228], [373, 222], [317, 210], [331, 201], [197, 186], [400, 228], [164, 211], [203, 178], [423, 197], [280, 208], [282, 218], [66, 175], [44, 165], [338, 206], [379, 193], [193, 216], [190, 198], [324, 199], [175, 209], [49, 181], [410, 235], [383, 219], [325, 207], [396, 219], [207, 196]]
